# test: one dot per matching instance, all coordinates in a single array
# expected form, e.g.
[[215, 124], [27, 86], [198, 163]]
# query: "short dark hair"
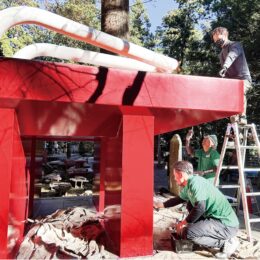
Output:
[[183, 166], [221, 30]]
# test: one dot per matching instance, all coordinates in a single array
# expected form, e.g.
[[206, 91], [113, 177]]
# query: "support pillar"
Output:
[[128, 179], [13, 189], [32, 175]]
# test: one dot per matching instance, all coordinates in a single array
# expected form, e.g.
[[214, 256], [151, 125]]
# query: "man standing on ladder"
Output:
[[233, 65], [208, 157]]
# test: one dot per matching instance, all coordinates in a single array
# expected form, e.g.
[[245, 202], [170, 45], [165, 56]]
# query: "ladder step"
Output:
[[236, 167], [244, 147], [253, 194], [254, 220], [246, 126], [229, 186]]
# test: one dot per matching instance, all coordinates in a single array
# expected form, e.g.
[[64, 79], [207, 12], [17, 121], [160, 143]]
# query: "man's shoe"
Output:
[[230, 246]]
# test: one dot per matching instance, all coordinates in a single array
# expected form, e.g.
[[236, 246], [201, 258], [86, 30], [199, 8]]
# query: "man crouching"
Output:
[[211, 221]]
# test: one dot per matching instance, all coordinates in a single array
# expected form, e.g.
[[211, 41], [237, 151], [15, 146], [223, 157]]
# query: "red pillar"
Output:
[[128, 179], [13, 190], [32, 175]]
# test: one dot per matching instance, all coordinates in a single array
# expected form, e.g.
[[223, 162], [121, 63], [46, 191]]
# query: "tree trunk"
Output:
[[114, 18]]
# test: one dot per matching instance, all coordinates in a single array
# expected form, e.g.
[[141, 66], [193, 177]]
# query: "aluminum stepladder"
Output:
[[241, 147]]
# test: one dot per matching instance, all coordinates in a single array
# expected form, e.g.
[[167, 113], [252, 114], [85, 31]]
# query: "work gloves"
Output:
[[222, 72], [189, 135], [180, 226]]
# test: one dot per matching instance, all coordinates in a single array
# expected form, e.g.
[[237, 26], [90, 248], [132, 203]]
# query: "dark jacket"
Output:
[[232, 57]]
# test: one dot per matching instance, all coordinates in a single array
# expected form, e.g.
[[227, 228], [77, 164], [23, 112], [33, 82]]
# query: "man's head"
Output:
[[182, 170], [209, 141], [220, 36]]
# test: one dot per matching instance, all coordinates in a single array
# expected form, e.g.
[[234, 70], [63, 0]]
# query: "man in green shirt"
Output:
[[211, 221], [208, 156]]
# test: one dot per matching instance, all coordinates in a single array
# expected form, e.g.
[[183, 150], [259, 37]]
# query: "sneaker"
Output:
[[230, 246]]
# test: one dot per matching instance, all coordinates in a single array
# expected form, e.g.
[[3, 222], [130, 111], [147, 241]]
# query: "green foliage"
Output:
[[83, 12], [19, 36], [140, 25], [181, 37]]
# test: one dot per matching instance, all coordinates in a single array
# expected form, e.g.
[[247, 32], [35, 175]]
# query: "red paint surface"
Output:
[[13, 185], [73, 95], [124, 110]]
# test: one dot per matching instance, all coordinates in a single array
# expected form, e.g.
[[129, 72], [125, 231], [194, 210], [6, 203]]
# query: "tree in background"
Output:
[[84, 12], [140, 25], [22, 35], [19, 36], [182, 37]]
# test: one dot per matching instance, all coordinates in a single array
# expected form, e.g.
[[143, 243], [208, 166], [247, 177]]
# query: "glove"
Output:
[[189, 135], [222, 73], [179, 227]]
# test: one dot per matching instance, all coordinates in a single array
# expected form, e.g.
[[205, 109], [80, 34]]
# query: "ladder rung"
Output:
[[251, 169], [229, 167], [243, 147], [254, 220], [228, 186], [253, 194], [246, 126], [245, 169]]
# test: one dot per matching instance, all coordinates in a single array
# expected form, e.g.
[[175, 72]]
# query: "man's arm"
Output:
[[235, 50], [196, 212], [189, 149], [169, 203], [173, 202]]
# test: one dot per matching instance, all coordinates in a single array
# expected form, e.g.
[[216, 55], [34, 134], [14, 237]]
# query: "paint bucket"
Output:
[[180, 246]]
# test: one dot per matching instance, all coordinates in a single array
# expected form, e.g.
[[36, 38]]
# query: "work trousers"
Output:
[[247, 87], [209, 232]]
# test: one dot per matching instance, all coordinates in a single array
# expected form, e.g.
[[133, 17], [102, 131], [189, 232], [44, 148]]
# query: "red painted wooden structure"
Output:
[[122, 109]]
